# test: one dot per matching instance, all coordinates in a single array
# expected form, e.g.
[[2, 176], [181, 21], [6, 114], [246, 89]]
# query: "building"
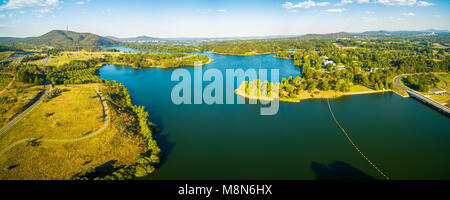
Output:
[[438, 91], [328, 62], [340, 67]]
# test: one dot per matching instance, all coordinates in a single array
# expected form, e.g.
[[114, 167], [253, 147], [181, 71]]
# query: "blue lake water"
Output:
[[404, 137]]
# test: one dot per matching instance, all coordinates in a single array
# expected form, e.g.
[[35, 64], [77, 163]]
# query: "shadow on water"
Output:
[[165, 145], [338, 170]]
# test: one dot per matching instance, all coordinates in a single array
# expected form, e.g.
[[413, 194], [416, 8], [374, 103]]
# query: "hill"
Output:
[[139, 39], [61, 39]]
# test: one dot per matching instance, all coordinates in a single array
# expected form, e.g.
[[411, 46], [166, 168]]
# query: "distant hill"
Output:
[[62, 39], [136, 39], [341, 35]]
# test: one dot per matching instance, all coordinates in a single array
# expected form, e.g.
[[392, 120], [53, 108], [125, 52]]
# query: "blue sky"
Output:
[[201, 18]]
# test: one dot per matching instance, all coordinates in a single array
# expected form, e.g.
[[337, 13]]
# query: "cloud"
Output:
[[409, 14], [80, 2], [404, 3], [363, 1], [2, 16], [334, 10], [305, 4], [424, 3], [323, 3], [222, 10], [343, 2], [18, 4]]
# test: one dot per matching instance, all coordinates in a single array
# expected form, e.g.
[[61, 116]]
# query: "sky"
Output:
[[227, 18]]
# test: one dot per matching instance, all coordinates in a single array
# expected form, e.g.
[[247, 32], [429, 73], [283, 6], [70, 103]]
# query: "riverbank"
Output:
[[305, 95], [245, 55]]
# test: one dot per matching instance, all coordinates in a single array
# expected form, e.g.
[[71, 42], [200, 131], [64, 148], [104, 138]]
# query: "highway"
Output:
[[421, 97]]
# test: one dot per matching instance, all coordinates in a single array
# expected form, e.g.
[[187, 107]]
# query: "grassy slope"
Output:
[[19, 95], [76, 113], [5, 80], [67, 56]]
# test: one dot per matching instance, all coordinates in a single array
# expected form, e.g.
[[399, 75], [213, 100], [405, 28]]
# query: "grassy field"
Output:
[[16, 99], [77, 112], [66, 56], [6, 54], [443, 99], [5, 79], [359, 88]]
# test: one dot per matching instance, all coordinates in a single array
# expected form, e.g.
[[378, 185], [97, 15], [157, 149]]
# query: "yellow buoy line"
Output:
[[353, 143]]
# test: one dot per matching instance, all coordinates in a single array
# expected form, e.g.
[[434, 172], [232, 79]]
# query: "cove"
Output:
[[404, 137]]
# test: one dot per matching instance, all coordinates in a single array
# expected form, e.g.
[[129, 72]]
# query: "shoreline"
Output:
[[321, 96]]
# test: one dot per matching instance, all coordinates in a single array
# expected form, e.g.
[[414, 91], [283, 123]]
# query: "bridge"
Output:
[[434, 104]]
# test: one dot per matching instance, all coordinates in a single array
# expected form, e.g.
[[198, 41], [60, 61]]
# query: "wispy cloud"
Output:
[[18, 4], [305, 4], [363, 1], [80, 2], [343, 2], [404, 3], [334, 10], [323, 3], [222, 10]]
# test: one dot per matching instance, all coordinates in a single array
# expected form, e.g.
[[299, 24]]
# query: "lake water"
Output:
[[405, 138]]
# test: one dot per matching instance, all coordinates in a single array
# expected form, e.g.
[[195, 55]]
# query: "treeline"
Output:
[[9, 48], [29, 73], [33, 57], [173, 48], [132, 121], [422, 82]]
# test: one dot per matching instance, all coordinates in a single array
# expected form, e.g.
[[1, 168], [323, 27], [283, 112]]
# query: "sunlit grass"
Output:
[[77, 112]]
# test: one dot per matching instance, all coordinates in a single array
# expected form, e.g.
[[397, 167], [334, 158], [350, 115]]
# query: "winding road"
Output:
[[421, 97], [105, 125]]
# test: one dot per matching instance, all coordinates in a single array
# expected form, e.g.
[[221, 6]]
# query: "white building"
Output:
[[340, 67]]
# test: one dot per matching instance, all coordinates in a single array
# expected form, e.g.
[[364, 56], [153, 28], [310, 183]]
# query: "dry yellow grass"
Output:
[[443, 99], [359, 88], [50, 161], [77, 112], [15, 99], [74, 113], [66, 56]]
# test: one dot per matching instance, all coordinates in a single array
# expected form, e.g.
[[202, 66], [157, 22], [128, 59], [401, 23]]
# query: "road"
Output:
[[105, 125], [419, 96], [24, 113]]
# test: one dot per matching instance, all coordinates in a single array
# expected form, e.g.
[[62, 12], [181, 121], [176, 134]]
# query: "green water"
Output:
[[405, 138]]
